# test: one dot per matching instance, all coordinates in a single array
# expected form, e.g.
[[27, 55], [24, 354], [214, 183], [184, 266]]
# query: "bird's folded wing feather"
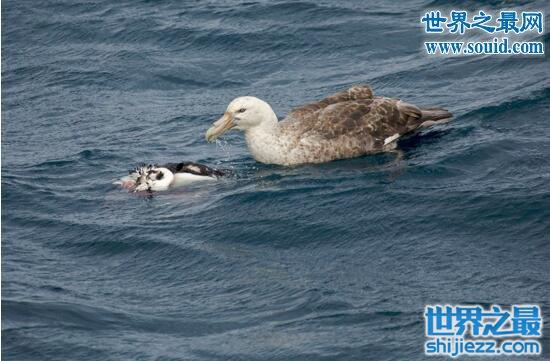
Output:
[[353, 93], [193, 168], [378, 118]]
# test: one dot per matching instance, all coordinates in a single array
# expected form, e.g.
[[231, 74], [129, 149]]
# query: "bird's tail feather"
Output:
[[435, 114]]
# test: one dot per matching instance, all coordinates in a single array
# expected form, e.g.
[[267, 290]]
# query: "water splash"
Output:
[[225, 147]]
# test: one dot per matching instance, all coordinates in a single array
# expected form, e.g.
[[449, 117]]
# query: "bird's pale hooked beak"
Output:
[[219, 127]]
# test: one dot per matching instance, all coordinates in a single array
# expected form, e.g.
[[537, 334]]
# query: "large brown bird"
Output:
[[347, 124]]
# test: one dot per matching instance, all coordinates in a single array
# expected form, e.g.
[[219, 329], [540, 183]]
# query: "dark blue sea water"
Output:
[[316, 262]]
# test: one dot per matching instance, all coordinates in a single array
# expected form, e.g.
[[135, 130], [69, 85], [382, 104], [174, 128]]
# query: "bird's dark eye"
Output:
[[242, 110]]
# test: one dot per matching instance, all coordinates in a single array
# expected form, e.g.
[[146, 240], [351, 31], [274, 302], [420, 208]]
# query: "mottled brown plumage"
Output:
[[352, 123], [353, 93]]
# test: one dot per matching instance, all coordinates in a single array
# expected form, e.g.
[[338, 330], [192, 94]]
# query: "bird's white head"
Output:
[[153, 178], [243, 113]]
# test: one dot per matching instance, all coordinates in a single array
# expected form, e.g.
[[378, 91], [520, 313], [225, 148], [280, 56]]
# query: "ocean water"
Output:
[[314, 262]]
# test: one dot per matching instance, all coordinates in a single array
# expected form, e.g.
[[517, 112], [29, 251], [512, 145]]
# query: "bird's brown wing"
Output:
[[376, 119], [354, 93]]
